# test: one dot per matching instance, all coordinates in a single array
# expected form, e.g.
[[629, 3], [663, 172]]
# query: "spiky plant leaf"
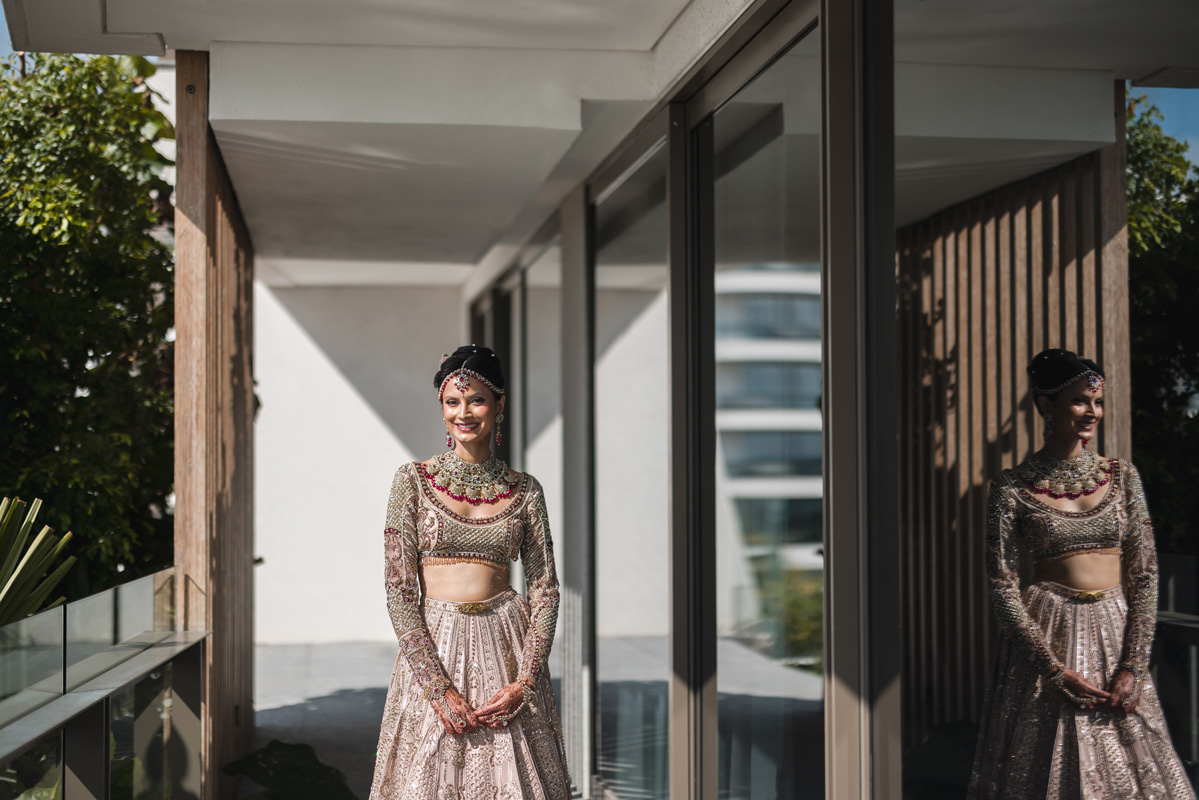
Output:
[[25, 585]]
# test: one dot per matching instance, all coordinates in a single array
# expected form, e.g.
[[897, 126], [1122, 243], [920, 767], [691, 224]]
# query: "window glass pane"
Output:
[[767, 316], [771, 453], [768, 527], [632, 487], [780, 520], [767, 384], [541, 414]]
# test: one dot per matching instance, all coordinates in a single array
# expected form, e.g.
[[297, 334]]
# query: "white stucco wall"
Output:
[[344, 376]]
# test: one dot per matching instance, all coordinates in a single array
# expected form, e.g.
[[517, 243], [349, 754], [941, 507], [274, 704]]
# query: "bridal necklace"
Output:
[[488, 482], [1082, 475]]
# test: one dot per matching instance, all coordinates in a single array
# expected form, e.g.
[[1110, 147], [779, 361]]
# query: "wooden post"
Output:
[[213, 426]]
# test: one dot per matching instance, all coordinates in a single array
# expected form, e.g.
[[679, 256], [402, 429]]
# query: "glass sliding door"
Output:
[[768, 473], [540, 416], [632, 439]]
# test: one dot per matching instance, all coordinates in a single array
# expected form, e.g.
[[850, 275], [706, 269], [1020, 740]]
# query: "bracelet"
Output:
[[1058, 681], [1137, 671], [1132, 698], [504, 719], [457, 720]]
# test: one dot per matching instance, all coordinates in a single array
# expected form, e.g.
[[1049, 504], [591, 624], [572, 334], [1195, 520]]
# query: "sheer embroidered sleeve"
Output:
[[1003, 573], [403, 586], [1139, 556], [541, 585]]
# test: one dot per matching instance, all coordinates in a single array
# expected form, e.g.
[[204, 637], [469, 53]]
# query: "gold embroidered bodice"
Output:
[[420, 528], [1119, 523]]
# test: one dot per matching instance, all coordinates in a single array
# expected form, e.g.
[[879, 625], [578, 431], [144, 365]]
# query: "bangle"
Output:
[[504, 719], [457, 720], [526, 681], [1137, 671]]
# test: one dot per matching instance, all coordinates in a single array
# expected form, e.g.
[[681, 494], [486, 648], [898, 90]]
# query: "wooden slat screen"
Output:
[[983, 287]]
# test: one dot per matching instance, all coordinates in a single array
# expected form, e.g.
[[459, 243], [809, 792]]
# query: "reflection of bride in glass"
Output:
[[470, 711], [1072, 712]]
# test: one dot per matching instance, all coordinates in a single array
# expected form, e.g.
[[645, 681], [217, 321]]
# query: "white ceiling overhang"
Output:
[[424, 156], [376, 138]]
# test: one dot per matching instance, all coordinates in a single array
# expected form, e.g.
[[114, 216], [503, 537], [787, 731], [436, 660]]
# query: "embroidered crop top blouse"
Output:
[[419, 526], [1119, 523]]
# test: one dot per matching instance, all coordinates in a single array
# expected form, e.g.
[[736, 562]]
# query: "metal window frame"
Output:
[[862, 622]]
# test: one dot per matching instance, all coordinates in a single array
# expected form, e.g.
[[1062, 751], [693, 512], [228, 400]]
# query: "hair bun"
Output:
[[480, 362], [1054, 369]]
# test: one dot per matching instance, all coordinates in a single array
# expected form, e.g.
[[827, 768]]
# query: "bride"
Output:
[[470, 712]]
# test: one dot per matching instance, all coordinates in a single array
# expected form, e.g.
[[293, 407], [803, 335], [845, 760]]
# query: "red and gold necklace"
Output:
[[1082, 475], [476, 484]]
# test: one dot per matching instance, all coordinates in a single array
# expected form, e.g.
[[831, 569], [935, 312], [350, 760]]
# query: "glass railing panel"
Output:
[[36, 774], [139, 767], [31, 659], [144, 609], [1176, 654], [91, 634], [110, 627]]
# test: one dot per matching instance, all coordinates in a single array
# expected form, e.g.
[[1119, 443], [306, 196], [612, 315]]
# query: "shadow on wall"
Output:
[[386, 341]]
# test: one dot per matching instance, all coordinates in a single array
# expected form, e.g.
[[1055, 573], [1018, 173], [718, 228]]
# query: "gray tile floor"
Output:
[[331, 697], [327, 695]]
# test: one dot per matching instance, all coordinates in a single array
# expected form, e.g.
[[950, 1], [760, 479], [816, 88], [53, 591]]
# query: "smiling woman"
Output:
[[470, 711], [1072, 701]]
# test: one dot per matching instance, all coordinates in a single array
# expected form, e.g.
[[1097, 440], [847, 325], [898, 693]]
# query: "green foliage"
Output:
[[803, 614], [24, 585], [291, 772], [1163, 225], [33, 775], [86, 304]]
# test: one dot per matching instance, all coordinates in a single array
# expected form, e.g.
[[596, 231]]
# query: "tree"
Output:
[[86, 309], [1163, 243]]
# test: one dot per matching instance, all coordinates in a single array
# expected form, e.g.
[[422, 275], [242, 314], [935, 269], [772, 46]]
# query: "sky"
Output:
[[1179, 107]]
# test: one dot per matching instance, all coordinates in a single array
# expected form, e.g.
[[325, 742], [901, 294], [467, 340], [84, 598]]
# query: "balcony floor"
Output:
[[327, 695]]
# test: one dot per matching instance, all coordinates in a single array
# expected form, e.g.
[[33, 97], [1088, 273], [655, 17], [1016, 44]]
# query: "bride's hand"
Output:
[[1083, 688], [503, 706], [456, 714], [1124, 683]]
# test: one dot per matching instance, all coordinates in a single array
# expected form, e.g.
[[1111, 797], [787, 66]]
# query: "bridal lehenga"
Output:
[[477, 648], [1038, 740]]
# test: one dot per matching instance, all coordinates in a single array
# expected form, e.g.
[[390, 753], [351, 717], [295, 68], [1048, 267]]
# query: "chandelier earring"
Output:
[[499, 437], [1048, 423], [449, 440]]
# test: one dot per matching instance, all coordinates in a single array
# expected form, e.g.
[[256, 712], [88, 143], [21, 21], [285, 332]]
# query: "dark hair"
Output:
[[1054, 369], [481, 362]]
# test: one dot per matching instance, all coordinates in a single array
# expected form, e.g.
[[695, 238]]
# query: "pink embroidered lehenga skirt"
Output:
[[1035, 743], [419, 760]]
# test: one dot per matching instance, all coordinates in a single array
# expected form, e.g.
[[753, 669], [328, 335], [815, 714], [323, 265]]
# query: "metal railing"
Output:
[[101, 698]]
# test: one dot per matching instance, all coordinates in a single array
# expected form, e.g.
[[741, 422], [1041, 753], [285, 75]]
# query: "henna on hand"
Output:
[[1124, 691], [503, 706], [455, 713], [1081, 691]]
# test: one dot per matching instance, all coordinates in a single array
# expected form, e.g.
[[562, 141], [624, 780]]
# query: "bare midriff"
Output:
[[1084, 572], [467, 582]]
